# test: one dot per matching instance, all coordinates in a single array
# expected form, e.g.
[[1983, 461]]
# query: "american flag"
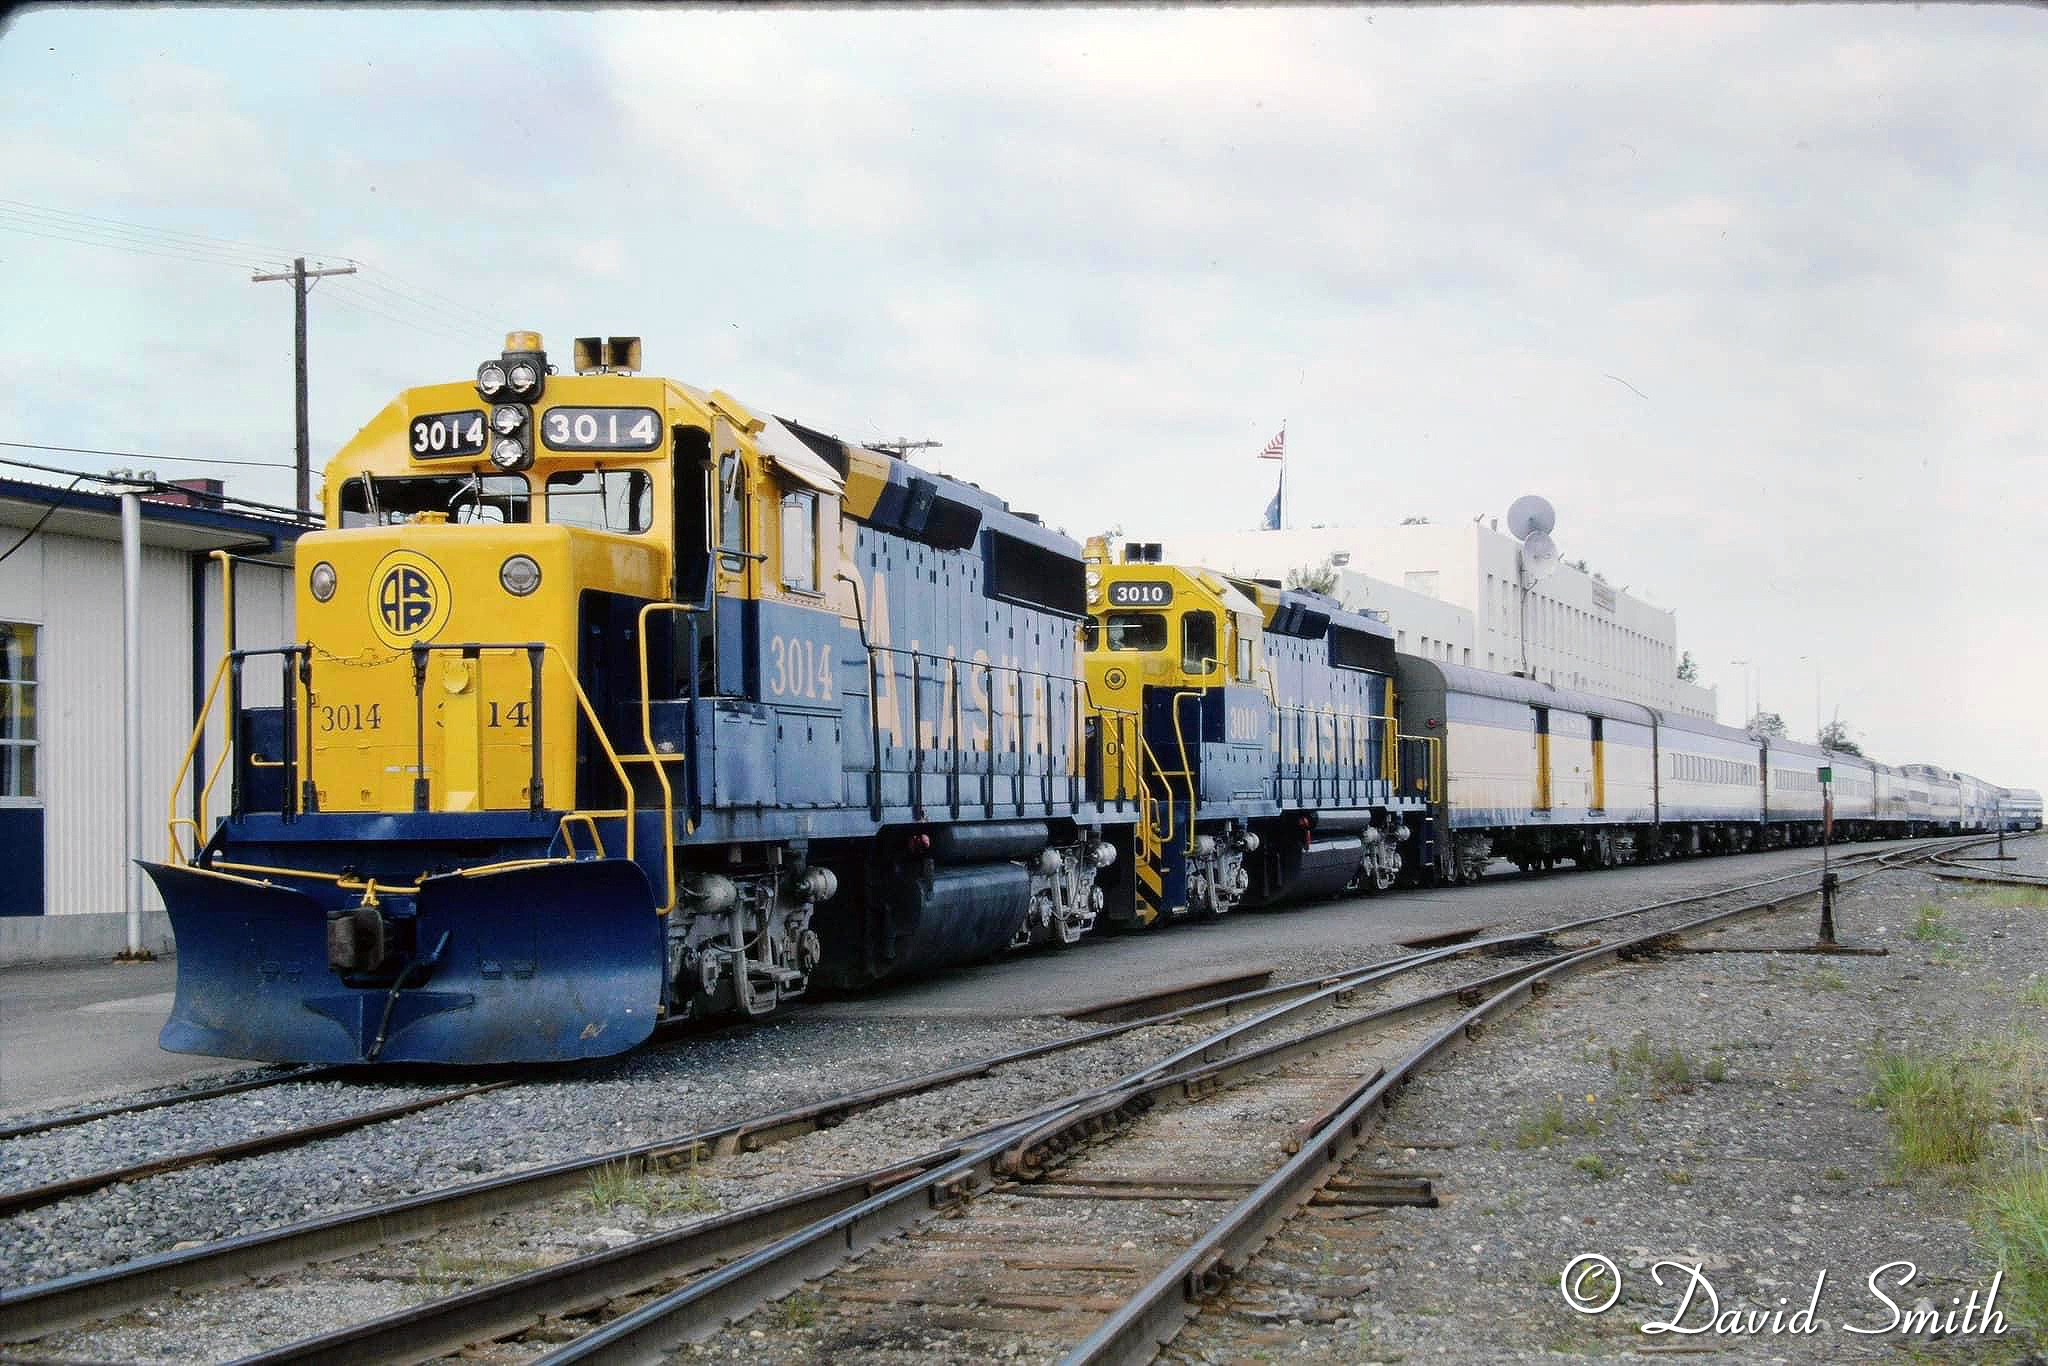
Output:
[[1276, 449]]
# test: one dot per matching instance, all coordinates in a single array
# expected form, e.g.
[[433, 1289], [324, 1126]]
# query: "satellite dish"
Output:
[[1539, 557], [1531, 515]]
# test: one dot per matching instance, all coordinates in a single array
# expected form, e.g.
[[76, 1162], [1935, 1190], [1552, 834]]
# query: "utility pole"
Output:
[[299, 275]]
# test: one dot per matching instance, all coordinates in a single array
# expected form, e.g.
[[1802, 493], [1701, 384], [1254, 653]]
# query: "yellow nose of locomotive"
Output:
[[426, 640]]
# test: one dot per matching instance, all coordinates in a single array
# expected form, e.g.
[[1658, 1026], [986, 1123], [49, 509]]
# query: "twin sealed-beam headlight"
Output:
[[490, 379], [321, 581], [524, 377], [511, 449], [519, 575]]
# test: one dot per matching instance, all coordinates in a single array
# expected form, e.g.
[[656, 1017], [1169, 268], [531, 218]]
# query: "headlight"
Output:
[[490, 379], [520, 575], [321, 581], [510, 453], [524, 376], [508, 418]]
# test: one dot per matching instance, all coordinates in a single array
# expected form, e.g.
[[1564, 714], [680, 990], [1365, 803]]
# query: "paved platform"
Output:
[[75, 1033]]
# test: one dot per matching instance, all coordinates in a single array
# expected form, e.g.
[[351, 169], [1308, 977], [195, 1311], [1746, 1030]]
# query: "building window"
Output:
[[17, 711], [800, 541]]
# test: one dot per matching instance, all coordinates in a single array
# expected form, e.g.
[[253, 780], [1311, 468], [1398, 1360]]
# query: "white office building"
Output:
[[1454, 593], [62, 753]]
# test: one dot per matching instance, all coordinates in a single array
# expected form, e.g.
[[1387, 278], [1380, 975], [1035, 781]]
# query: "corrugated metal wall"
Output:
[[70, 587]]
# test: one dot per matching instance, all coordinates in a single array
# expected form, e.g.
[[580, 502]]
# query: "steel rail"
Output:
[[72, 1118], [82, 1297], [654, 1329], [14, 1202], [1156, 1312]]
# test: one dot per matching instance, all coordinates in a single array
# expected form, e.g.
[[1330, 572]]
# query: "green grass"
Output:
[[463, 1266], [1830, 979], [2014, 898], [2036, 993], [1655, 1070], [622, 1183], [1947, 956], [1940, 1109], [1933, 928], [1593, 1165], [1716, 1070], [1678, 1176], [2012, 1216], [799, 1309], [1835, 1174], [1552, 1123]]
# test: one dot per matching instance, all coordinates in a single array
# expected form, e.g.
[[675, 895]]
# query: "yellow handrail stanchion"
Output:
[[668, 813]]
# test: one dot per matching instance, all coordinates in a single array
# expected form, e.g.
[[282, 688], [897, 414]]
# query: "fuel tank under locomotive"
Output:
[[927, 900]]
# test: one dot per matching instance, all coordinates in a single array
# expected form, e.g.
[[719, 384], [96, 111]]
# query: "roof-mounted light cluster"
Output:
[[512, 384]]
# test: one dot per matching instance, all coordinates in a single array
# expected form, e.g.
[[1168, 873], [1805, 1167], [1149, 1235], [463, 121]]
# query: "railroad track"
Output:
[[1954, 868], [766, 1248]]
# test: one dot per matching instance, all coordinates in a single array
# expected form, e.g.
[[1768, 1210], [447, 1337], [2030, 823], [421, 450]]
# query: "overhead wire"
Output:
[[142, 455], [158, 486], [48, 513]]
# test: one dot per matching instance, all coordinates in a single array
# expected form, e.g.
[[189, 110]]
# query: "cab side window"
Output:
[[732, 515], [1198, 642], [800, 541], [1244, 659]]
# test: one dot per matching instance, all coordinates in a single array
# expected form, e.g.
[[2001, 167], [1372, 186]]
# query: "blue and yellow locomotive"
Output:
[[621, 701], [1268, 753]]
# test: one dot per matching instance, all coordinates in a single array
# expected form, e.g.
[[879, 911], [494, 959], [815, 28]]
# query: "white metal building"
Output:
[[62, 821], [1453, 593]]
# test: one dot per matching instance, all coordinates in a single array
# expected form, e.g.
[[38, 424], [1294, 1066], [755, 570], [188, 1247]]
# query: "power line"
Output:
[[196, 237], [141, 455], [155, 485]]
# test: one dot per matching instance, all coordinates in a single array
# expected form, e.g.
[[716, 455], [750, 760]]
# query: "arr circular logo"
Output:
[[409, 599]]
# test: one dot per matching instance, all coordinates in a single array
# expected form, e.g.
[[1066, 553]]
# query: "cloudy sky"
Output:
[[1101, 255]]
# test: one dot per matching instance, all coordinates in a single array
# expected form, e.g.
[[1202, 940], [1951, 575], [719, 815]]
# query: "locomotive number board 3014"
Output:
[[601, 429], [1137, 593], [438, 434]]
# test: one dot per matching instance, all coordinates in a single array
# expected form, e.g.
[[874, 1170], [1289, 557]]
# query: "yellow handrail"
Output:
[[1187, 769], [227, 645], [668, 799]]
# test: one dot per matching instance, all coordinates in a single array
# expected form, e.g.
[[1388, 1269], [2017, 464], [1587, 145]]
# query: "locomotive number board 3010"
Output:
[[1140, 594], [601, 429]]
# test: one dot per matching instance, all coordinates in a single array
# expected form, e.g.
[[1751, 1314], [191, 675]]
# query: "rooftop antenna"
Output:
[[1531, 519], [902, 446]]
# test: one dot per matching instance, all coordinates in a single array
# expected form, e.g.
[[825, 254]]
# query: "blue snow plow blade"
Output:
[[548, 963]]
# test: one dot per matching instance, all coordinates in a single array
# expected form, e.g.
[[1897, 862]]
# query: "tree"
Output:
[[1414, 521], [1835, 736], [1315, 578], [1767, 723], [1688, 672]]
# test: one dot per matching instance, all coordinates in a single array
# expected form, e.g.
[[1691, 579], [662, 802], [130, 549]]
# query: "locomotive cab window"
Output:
[[1198, 642], [800, 541], [732, 508], [464, 498], [1134, 631], [601, 500], [1244, 659]]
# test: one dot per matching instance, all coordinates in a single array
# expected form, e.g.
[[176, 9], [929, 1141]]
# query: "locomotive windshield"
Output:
[[492, 498], [601, 500], [1134, 631], [598, 500]]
